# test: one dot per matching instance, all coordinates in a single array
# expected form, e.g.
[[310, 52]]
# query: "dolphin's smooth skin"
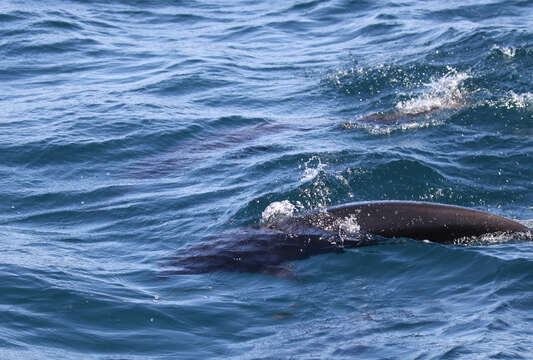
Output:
[[333, 229], [411, 219]]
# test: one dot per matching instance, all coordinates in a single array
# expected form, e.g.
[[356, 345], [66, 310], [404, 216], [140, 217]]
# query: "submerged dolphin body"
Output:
[[392, 117], [334, 229]]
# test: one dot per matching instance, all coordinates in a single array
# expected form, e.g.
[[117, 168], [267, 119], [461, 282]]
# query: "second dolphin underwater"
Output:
[[265, 249]]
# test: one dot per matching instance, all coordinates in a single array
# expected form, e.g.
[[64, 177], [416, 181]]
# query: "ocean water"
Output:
[[132, 129]]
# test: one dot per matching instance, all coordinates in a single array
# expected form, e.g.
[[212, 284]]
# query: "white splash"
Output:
[[312, 168], [507, 51], [521, 101], [512, 100], [277, 209], [349, 225], [442, 93]]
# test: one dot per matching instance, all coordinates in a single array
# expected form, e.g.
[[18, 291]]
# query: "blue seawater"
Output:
[[131, 129]]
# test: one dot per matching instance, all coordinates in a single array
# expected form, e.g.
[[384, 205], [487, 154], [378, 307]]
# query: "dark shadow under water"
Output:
[[260, 250]]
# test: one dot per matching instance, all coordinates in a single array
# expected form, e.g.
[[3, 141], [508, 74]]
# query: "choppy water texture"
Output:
[[132, 129]]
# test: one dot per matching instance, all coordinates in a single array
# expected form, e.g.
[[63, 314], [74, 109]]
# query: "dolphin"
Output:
[[265, 249], [409, 219]]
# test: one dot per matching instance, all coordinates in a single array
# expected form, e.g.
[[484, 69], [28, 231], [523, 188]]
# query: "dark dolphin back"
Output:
[[415, 220]]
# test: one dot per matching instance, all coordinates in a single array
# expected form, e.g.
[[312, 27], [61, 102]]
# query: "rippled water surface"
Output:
[[132, 130]]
